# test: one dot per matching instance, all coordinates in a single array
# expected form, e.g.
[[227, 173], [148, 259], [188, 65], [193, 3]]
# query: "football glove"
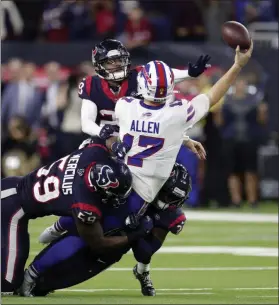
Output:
[[107, 131], [120, 149], [144, 227], [194, 70]]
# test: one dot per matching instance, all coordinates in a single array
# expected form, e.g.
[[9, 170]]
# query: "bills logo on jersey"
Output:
[[106, 179], [147, 114]]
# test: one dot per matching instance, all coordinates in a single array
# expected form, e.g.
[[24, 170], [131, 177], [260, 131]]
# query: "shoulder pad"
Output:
[[138, 68]]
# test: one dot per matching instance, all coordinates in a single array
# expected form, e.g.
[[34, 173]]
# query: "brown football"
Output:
[[234, 34]]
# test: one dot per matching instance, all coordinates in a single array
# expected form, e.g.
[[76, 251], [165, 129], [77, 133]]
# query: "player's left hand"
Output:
[[197, 148], [120, 149], [194, 70], [107, 131]]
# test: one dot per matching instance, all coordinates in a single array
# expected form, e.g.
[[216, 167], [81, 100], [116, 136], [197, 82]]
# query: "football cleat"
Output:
[[49, 235], [147, 288], [28, 284]]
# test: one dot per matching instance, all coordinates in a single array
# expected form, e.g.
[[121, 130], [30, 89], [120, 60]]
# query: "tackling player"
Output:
[[84, 184], [69, 261]]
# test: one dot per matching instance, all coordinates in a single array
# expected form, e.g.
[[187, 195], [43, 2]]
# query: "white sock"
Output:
[[141, 268]]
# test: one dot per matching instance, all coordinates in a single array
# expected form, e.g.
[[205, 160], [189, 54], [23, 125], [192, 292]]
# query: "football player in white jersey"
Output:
[[153, 126]]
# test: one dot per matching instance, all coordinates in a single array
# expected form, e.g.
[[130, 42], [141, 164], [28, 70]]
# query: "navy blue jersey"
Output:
[[97, 90], [171, 219], [64, 187]]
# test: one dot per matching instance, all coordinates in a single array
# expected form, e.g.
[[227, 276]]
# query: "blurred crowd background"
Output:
[[40, 108]]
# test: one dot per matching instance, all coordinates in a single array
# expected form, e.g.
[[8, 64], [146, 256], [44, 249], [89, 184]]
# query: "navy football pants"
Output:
[[14, 236], [76, 268]]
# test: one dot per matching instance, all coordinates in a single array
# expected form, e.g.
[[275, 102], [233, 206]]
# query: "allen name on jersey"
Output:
[[143, 126]]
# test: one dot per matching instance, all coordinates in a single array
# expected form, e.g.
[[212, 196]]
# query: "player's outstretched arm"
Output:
[[224, 83]]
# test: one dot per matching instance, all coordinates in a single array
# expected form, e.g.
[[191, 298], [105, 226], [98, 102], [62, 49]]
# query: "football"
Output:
[[234, 34]]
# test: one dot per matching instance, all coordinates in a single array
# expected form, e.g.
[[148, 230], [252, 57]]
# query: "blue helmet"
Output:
[[176, 189], [113, 180]]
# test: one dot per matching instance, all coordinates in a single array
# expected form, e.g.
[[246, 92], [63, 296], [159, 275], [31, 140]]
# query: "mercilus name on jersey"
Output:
[[68, 179], [144, 126]]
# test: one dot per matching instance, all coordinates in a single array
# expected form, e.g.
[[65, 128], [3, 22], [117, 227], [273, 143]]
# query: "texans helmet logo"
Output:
[[105, 179], [94, 52]]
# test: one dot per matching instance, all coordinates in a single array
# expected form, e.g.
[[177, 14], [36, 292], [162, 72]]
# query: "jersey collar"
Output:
[[114, 96], [151, 107]]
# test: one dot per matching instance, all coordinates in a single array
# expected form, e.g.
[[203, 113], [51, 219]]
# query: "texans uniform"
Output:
[[97, 90], [61, 189], [77, 255], [155, 135]]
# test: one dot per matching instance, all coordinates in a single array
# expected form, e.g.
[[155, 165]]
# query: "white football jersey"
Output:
[[155, 134]]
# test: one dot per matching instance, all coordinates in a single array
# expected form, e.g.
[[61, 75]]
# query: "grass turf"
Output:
[[234, 279]]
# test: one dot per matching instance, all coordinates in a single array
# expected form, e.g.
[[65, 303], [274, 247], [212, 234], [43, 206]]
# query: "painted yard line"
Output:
[[162, 289], [231, 217], [203, 269], [257, 296], [131, 289], [242, 251], [184, 293], [253, 288]]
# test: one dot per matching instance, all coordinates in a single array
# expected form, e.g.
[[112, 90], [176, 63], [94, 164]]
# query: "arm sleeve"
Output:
[[180, 75], [118, 110], [197, 108], [86, 205], [89, 113], [87, 213]]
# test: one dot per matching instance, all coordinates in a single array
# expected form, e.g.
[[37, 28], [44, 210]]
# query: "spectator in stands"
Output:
[[104, 12], [188, 21], [137, 30], [13, 69], [71, 134], [52, 105], [3, 80], [212, 169], [81, 25], [22, 98], [55, 20], [31, 13], [248, 11], [11, 21], [242, 119], [188, 89], [19, 155], [215, 13], [53, 109]]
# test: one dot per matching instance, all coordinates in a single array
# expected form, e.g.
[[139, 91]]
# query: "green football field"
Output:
[[219, 258]]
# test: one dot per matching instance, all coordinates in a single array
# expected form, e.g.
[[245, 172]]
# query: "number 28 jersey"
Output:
[[155, 135]]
